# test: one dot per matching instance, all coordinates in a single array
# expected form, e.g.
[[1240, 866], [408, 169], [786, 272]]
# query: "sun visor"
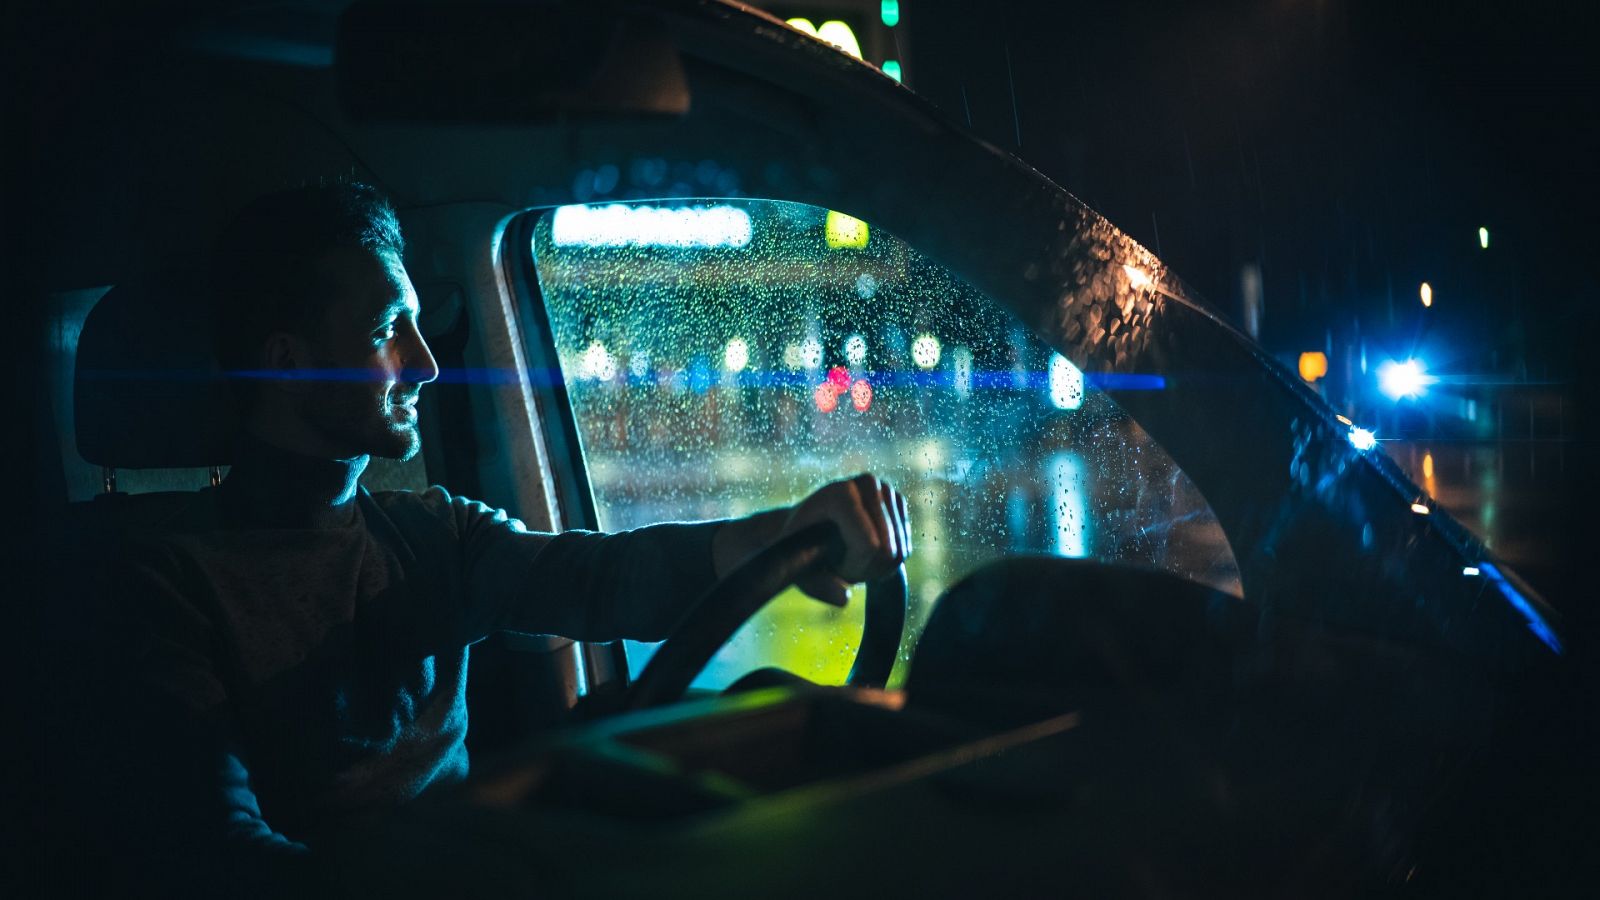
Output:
[[498, 62], [148, 393]]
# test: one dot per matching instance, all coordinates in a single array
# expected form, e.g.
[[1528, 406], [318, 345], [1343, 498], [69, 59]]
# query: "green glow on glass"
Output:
[[891, 68], [844, 232], [890, 10]]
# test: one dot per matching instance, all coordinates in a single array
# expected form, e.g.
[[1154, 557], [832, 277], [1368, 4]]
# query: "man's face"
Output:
[[376, 359]]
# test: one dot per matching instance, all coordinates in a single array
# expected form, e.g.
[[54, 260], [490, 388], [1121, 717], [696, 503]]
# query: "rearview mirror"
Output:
[[500, 62]]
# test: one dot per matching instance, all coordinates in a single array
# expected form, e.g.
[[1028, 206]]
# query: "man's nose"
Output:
[[420, 367]]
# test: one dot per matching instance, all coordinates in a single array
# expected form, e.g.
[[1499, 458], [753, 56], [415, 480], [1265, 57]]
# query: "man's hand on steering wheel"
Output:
[[872, 518]]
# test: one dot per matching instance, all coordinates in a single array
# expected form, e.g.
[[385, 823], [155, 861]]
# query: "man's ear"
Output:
[[288, 357]]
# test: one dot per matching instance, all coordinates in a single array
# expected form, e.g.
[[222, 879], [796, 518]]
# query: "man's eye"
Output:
[[385, 333]]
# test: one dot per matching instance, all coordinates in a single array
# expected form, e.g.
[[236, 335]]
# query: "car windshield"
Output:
[[723, 357]]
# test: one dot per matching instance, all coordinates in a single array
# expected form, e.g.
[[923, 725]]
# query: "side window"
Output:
[[724, 357]]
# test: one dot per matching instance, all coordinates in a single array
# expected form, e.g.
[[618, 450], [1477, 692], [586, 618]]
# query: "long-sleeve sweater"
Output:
[[296, 652]]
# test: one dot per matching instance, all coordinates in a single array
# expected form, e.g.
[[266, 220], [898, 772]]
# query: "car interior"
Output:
[[1119, 660]]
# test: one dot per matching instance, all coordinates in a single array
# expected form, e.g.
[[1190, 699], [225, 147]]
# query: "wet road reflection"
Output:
[[1514, 495]]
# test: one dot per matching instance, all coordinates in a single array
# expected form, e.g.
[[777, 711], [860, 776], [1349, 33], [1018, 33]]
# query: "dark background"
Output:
[[1351, 151]]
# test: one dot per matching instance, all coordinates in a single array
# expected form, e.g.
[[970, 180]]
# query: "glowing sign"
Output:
[[832, 32], [844, 232], [925, 351], [620, 225], [1066, 383], [1313, 365]]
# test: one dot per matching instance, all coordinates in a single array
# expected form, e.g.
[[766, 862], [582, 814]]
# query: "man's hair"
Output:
[[269, 267]]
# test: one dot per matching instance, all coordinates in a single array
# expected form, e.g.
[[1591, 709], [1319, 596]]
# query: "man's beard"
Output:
[[351, 415]]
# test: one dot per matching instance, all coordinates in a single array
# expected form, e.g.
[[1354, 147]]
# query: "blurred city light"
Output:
[[811, 353], [925, 351], [839, 378], [855, 350], [620, 225], [826, 396], [1136, 276], [1427, 466], [1403, 379], [1066, 383], [1313, 365], [736, 355], [1363, 439], [891, 68], [889, 10], [598, 364], [1483, 238], [861, 395], [1070, 508], [791, 356], [844, 232], [961, 362], [1427, 294], [1469, 570], [1420, 509]]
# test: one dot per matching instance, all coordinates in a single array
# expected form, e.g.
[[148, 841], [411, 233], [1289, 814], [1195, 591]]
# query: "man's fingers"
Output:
[[830, 589], [866, 534]]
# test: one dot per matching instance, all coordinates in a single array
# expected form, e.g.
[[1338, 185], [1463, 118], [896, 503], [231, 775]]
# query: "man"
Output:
[[297, 653]]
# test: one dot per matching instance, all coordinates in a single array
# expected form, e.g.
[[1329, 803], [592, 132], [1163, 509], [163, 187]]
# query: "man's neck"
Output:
[[276, 486]]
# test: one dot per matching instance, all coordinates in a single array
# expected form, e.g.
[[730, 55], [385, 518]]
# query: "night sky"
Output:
[[1352, 150]]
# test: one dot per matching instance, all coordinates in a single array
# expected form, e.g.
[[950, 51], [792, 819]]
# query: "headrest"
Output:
[[148, 393]]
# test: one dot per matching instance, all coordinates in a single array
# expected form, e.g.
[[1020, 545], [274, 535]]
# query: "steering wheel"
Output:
[[743, 592]]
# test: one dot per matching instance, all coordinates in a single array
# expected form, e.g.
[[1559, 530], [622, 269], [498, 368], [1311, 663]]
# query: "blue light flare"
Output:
[[1522, 604]]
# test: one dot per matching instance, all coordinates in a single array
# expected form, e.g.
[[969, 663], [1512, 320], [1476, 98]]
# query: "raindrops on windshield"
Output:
[[724, 357]]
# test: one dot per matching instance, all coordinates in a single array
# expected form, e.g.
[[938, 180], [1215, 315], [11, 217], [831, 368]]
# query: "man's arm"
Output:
[[871, 516], [160, 787], [637, 584]]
